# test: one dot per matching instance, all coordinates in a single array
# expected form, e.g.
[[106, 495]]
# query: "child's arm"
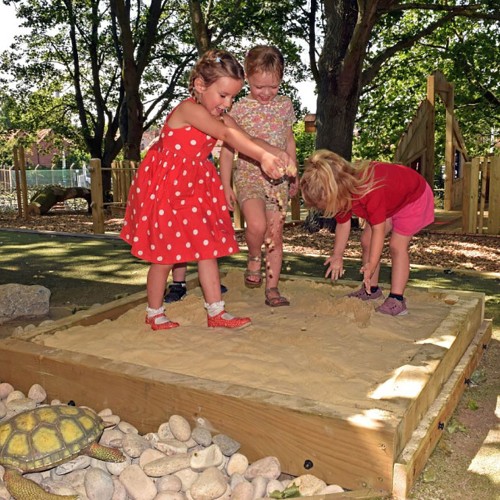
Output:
[[226, 174], [195, 115], [376, 247], [335, 261], [291, 149]]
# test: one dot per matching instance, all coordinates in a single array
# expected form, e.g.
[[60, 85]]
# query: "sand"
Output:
[[324, 347]]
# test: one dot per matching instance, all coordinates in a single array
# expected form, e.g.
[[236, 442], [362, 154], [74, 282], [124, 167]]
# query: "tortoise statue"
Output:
[[42, 438]]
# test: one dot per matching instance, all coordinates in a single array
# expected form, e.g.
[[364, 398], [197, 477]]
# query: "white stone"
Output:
[[148, 456], [187, 477], [331, 488], [133, 445], [138, 485], [19, 405], [210, 484], [98, 485], [111, 436], [13, 396], [208, 457], [268, 467], [171, 446], [170, 495], [116, 468], [309, 485], [259, 484], [238, 463], [37, 393], [169, 483], [127, 428], [273, 485], [243, 491], [119, 491], [164, 431], [5, 390], [79, 463], [180, 427], [166, 465]]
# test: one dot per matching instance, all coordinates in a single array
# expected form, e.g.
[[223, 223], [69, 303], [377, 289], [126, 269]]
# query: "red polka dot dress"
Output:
[[176, 207]]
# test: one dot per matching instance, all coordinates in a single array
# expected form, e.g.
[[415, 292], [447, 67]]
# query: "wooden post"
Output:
[[494, 196], [96, 190], [482, 198], [24, 182], [470, 196], [295, 207], [15, 153], [428, 172]]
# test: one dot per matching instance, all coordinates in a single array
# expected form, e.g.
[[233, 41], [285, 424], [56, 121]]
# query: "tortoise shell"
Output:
[[39, 439]]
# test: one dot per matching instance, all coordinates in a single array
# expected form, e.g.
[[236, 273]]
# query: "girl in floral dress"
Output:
[[176, 209], [263, 201]]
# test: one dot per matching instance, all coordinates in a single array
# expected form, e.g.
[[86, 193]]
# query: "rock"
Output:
[[134, 445], [309, 485], [167, 465], [169, 483], [98, 485], [23, 301], [37, 393], [187, 477], [259, 485], [210, 484], [138, 485], [243, 491], [5, 390], [202, 436], [227, 445], [268, 467], [238, 463], [180, 427], [205, 458]]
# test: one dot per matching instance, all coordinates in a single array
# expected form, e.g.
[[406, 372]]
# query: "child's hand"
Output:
[[335, 267], [230, 197], [367, 272], [273, 166], [294, 187]]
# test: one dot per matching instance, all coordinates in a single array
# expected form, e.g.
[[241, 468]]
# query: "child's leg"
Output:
[[179, 272], [155, 312], [274, 247], [400, 273], [254, 211], [208, 272], [156, 281]]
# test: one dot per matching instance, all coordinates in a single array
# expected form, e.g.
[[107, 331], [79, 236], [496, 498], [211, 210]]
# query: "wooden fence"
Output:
[[122, 173], [481, 196]]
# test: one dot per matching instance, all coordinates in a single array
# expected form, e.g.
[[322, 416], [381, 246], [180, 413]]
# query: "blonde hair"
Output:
[[264, 59], [329, 181], [215, 64]]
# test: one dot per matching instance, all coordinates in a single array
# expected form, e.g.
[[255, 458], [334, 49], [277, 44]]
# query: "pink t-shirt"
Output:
[[398, 186]]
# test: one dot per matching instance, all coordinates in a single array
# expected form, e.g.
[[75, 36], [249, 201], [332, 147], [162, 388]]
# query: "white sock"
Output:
[[216, 308], [154, 312]]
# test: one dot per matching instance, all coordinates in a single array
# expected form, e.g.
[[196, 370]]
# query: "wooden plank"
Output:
[[470, 193], [482, 197], [413, 458], [429, 131], [295, 430], [494, 196], [463, 325]]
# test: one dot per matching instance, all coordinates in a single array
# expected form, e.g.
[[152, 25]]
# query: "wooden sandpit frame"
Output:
[[369, 458]]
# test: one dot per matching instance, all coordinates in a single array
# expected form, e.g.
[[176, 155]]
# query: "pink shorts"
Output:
[[415, 216]]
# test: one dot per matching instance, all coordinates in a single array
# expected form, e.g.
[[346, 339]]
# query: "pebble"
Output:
[[210, 484], [138, 485], [180, 427], [268, 467], [227, 445], [174, 463], [98, 485], [202, 436], [37, 393]]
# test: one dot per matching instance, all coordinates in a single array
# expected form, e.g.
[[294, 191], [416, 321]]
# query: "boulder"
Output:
[[23, 301]]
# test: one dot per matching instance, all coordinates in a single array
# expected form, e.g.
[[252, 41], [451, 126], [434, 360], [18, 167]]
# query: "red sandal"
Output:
[[275, 299], [151, 321], [219, 322]]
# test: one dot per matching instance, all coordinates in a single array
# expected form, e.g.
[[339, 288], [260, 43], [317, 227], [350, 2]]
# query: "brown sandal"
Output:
[[276, 301], [253, 283]]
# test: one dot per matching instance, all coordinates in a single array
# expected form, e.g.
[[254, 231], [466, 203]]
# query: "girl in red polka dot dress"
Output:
[[176, 208]]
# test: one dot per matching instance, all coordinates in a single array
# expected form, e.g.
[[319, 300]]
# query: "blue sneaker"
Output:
[[175, 293]]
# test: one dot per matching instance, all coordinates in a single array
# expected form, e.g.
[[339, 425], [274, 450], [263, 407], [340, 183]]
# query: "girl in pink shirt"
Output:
[[391, 198]]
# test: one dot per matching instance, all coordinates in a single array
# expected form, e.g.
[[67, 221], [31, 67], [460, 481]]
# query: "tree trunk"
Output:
[[44, 199], [348, 28]]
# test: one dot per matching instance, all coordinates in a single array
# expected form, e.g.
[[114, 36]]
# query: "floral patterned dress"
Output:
[[270, 122], [176, 208]]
